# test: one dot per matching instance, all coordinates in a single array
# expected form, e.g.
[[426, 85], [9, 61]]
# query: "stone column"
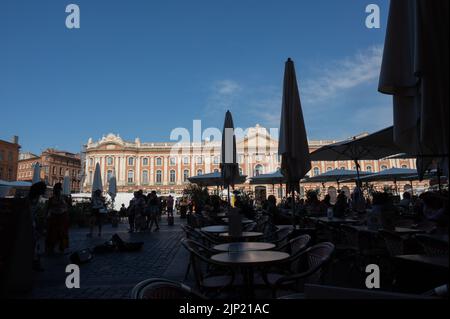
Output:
[[137, 174]]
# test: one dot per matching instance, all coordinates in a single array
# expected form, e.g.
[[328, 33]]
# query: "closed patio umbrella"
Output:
[[112, 188], [229, 166], [293, 142], [97, 182], [415, 72], [66, 184], [36, 173]]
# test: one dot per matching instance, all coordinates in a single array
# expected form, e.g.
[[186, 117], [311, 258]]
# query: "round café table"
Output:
[[218, 229], [247, 260], [244, 246]]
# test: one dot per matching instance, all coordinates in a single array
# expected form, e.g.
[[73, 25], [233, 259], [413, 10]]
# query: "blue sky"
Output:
[[142, 68]]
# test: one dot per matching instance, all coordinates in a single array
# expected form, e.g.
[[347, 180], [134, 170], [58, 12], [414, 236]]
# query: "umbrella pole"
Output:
[[293, 208], [357, 173], [228, 195], [438, 172]]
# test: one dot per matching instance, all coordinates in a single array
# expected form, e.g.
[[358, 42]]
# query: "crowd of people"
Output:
[[429, 206], [144, 211]]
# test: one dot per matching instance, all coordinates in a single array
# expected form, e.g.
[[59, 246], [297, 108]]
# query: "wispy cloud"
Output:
[[222, 96], [336, 89], [343, 75]]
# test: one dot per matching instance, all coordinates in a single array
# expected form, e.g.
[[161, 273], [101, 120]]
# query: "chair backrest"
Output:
[[349, 236], [432, 246], [394, 243], [199, 259], [158, 288], [317, 257], [299, 243]]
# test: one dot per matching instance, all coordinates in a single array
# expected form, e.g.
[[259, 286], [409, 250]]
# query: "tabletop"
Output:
[[244, 246], [398, 230], [245, 234], [440, 237], [244, 220], [215, 229], [335, 220], [250, 258], [438, 261]]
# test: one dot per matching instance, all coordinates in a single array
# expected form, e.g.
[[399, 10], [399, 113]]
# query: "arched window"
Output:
[[158, 177], [158, 161], [329, 169], [316, 171], [145, 177], [199, 172], [172, 161], [200, 160], [259, 169], [216, 160], [185, 160], [404, 166], [145, 161], [109, 161], [383, 167], [185, 175], [130, 178], [216, 170], [342, 168], [91, 161], [130, 161], [369, 169], [172, 176]]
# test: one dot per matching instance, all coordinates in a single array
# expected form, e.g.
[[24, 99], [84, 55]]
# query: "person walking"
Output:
[[97, 212], [154, 207], [36, 191], [169, 204], [57, 221], [131, 213], [139, 211]]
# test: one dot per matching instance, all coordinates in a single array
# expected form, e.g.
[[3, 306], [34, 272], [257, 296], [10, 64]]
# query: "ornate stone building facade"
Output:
[[166, 167], [9, 155], [54, 164]]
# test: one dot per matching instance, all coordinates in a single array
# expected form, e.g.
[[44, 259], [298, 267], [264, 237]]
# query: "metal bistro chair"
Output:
[[296, 245], [395, 243], [315, 258], [432, 246], [202, 249], [210, 276], [158, 288]]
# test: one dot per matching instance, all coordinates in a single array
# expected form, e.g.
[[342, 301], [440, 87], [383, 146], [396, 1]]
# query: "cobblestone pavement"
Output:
[[112, 275]]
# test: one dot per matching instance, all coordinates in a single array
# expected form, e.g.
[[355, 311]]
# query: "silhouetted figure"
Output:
[[97, 211], [57, 221], [36, 191]]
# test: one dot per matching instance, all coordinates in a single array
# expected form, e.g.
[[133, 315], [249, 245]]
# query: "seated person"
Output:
[[404, 203], [341, 206]]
